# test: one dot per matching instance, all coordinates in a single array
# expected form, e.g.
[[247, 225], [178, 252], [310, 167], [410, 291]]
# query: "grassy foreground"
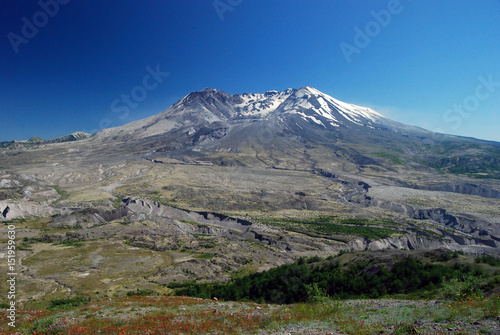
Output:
[[184, 315]]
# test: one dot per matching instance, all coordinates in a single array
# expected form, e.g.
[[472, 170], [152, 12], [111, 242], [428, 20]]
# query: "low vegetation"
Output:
[[76, 244], [184, 315], [61, 304], [373, 229], [477, 166], [394, 159], [488, 259]]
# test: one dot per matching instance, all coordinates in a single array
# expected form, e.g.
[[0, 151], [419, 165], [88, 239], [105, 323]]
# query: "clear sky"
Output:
[[70, 65]]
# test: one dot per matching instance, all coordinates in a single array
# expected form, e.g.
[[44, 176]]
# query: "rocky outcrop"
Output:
[[356, 193], [156, 209], [89, 217], [450, 242], [414, 242], [475, 242], [465, 188], [5, 212], [24, 208], [461, 223]]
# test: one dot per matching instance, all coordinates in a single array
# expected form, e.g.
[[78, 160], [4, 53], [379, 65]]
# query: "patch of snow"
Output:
[[312, 118], [261, 104]]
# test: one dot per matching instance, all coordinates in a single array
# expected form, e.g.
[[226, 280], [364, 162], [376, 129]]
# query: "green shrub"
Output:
[[316, 293], [464, 288], [142, 293], [59, 304]]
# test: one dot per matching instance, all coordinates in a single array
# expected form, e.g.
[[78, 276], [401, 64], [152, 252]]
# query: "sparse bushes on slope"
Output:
[[488, 259]]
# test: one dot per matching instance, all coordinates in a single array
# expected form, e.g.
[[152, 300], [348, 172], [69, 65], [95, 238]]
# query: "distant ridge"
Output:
[[35, 140]]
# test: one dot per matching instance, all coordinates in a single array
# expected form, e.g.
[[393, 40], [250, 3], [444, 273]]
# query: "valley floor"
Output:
[[183, 315]]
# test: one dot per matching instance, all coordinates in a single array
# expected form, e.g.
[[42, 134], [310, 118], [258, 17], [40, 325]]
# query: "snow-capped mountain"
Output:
[[210, 107], [322, 109]]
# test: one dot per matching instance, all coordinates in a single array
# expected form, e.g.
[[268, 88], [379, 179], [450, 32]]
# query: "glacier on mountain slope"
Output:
[[296, 101]]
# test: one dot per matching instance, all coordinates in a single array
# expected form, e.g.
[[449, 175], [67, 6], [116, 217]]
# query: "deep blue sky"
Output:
[[426, 58]]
